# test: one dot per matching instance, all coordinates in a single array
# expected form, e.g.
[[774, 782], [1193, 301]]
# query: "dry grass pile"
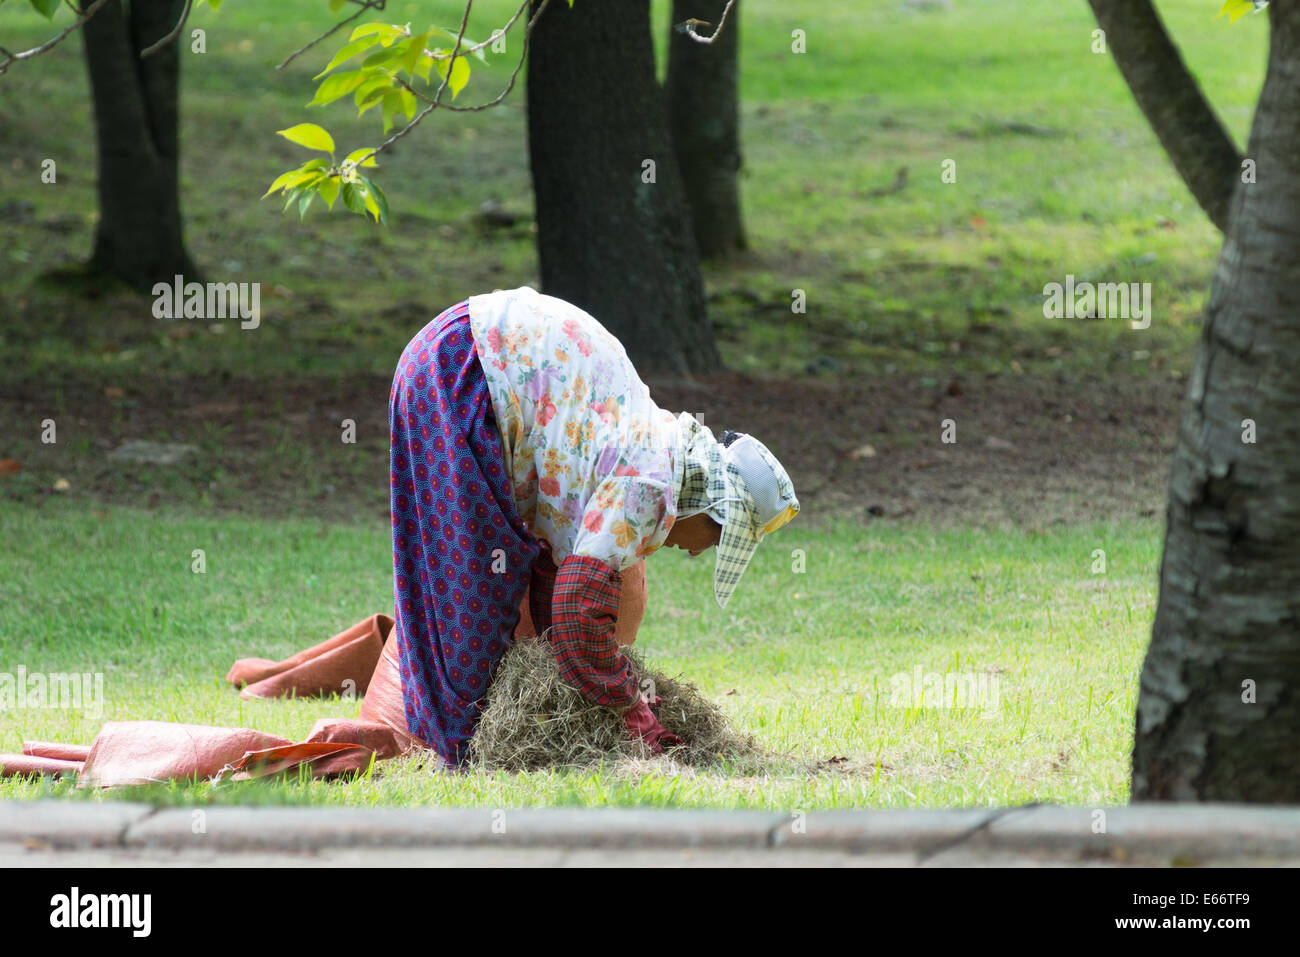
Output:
[[533, 720]]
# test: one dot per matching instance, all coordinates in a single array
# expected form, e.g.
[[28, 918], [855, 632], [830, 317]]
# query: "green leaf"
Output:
[[352, 197], [280, 182], [347, 53], [372, 92], [338, 86], [286, 181], [459, 74], [1235, 9], [308, 172], [309, 135], [414, 50], [291, 195], [329, 190], [381, 30], [47, 8], [398, 102], [355, 154], [381, 201], [398, 33], [392, 106], [305, 203], [409, 105], [337, 5], [385, 57]]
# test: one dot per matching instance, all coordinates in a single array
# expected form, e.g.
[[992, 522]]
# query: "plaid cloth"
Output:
[[584, 607], [698, 467]]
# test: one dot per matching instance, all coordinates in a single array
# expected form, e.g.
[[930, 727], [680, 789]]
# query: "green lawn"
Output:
[[802, 660], [892, 281], [1057, 173]]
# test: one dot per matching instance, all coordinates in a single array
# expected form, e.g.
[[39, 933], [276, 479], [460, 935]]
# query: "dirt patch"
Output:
[[1030, 448], [1027, 448]]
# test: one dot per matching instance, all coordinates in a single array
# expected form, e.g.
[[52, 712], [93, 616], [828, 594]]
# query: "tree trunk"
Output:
[[609, 241], [703, 118], [1228, 621], [138, 238], [1191, 134]]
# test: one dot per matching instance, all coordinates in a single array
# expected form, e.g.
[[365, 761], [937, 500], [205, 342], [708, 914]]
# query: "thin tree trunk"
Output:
[[609, 241], [1227, 625], [1168, 94], [138, 238], [703, 117]]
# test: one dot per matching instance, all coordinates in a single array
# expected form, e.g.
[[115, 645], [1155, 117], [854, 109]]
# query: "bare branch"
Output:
[[523, 56], [490, 40], [364, 4], [435, 102], [688, 26], [172, 34], [460, 38], [11, 58]]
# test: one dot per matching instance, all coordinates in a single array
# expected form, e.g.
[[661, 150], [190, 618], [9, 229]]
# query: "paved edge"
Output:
[[69, 824], [1162, 831], [231, 828]]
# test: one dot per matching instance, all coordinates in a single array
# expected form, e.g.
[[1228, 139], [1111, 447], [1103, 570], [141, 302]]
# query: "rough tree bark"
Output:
[[1229, 608], [703, 118], [609, 242], [138, 238], [1169, 96]]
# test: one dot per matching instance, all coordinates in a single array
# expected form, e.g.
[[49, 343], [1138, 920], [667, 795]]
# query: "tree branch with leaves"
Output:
[[394, 75]]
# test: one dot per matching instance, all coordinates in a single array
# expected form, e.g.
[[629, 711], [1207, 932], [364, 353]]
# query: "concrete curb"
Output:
[[1159, 832], [301, 829], [1175, 830], [66, 824]]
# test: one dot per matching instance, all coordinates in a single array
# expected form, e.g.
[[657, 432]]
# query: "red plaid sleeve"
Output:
[[541, 590], [584, 610]]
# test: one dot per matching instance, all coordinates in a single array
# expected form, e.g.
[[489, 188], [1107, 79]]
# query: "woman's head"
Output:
[[733, 492], [695, 533]]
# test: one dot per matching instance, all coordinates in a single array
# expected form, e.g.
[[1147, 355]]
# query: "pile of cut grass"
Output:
[[534, 720]]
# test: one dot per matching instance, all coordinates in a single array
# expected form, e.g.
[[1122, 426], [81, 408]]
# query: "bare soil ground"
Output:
[[1031, 448]]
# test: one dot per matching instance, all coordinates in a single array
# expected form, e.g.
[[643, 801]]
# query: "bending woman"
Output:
[[527, 455]]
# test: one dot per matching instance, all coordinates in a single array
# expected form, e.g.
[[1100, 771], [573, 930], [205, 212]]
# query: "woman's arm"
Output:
[[618, 529], [585, 603], [632, 600], [584, 611]]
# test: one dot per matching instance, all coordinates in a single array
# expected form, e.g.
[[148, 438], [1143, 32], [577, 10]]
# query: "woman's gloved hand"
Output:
[[642, 723]]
